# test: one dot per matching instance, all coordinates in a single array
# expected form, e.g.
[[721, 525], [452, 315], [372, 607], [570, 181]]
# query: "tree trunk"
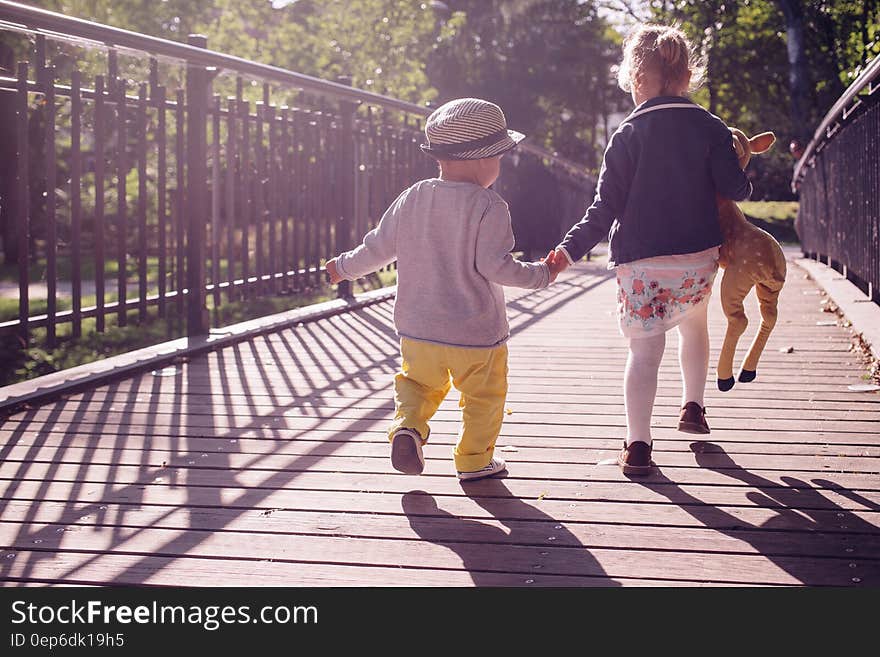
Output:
[[710, 87], [798, 74]]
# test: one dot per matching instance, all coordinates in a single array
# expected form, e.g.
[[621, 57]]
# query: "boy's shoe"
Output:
[[495, 466], [635, 459], [406, 451], [693, 419]]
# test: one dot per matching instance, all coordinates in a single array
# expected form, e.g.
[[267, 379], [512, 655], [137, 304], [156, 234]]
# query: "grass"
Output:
[[9, 307], [64, 267], [38, 306], [773, 211], [17, 364], [776, 217]]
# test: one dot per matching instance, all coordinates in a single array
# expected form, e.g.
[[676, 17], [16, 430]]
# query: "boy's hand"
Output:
[[557, 262], [332, 272]]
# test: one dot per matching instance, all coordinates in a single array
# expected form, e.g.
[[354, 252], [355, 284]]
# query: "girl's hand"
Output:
[[332, 272], [557, 262]]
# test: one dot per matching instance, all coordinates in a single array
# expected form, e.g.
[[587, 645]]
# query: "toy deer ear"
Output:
[[762, 143]]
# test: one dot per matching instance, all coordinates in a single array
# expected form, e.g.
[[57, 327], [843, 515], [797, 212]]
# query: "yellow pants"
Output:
[[481, 377]]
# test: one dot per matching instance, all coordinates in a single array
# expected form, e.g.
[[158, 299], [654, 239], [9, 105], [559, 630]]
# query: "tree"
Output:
[[380, 44], [545, 62]]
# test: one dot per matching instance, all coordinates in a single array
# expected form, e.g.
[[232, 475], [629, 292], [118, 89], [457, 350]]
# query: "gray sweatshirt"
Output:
[[452, 243]]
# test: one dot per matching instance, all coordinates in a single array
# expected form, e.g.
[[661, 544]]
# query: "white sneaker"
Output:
[[406, 451], [495, 466]]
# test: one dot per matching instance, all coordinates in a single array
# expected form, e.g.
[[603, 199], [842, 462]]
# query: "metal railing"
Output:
[[157, 193], [838, 181]]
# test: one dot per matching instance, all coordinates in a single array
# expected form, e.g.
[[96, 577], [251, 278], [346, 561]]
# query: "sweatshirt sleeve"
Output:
[[378, 249], [493, 259], [731, 182], [608, 203]]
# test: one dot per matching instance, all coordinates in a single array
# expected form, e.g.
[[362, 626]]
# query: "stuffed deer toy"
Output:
[[750, 258]]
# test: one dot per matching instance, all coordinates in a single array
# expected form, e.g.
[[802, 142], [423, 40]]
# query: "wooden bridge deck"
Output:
[[267, 464]]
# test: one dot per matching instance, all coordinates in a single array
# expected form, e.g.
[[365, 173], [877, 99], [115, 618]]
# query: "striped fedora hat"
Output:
[[468, 129]]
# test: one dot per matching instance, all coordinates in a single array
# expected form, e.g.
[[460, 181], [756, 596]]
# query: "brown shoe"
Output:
[[635, 459], [693, 419]]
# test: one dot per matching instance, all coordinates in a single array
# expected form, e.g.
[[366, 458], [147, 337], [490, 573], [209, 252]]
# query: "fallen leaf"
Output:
[[509, 411], [541, 496], [863, 387]]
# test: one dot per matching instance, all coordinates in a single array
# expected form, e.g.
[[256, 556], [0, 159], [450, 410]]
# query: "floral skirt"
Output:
[[656, 294]]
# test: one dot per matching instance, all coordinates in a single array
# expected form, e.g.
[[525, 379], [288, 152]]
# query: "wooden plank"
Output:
[[473, 557], [381, 373], [820, 494], [544, 412], [169, 571], [364, 420], [512, 434], [46, 518], [275, 491], [234, 389], [526, 448], [680, 475], [866, 459], [176, 386], [278, 457]]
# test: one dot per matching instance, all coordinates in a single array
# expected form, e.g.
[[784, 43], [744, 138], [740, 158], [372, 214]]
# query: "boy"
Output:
[[451, 237]]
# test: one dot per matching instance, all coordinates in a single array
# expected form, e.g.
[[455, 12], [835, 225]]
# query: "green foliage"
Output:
[[745, 44], [170, 19]]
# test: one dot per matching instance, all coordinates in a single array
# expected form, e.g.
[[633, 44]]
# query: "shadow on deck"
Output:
[[266, 463]]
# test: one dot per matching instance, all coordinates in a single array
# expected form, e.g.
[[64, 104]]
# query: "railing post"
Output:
[[345, 219], [198, 92], [22, 204]]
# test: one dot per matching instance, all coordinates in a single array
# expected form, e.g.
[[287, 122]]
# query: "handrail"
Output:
[[867, 77], [51, 23]]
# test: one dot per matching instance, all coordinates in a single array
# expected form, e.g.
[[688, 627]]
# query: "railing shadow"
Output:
[[202, 482], [513, 543], [799, 509]]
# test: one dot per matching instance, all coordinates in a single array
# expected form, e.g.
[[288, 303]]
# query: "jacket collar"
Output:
[[661, 103], [664, 100]]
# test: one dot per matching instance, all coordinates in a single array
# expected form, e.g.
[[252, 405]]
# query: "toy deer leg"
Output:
[[735, 285], [768, 295]]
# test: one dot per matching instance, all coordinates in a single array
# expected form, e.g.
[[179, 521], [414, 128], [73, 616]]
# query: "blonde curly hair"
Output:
[[663, 51]]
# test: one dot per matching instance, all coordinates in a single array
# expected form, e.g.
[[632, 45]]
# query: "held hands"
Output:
[[332, 272], [557, 262]]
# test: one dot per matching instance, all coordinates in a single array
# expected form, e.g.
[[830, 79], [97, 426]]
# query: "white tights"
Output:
[[643, 365]]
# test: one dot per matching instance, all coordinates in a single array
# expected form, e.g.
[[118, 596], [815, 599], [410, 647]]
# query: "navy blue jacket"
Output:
[[657, 185]]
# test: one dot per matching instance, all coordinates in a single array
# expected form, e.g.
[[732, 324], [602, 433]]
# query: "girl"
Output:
[[656, 193]]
